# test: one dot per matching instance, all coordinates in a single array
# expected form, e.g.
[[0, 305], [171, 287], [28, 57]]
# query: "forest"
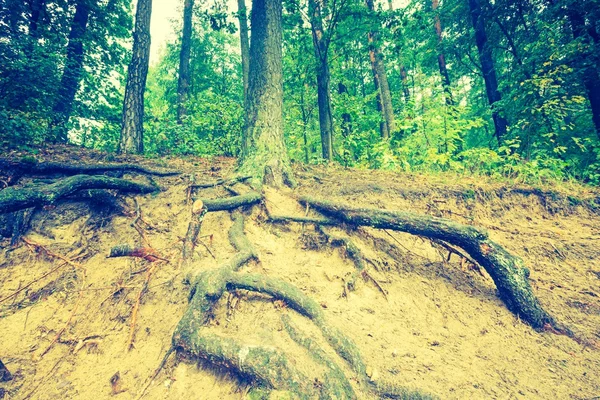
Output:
[[508, 88], [300, 199]]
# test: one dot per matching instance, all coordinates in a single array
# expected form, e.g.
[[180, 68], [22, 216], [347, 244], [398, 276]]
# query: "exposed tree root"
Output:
[[15, 199], [14, 225], [507, 271], [231, 203], [125, 250], [351, 251], [136, 307], [189, 242], [264, 366], [219, 182], [27, 167], [5, 375], [335, 384]]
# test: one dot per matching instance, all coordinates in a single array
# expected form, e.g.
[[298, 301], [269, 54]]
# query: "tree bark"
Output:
[[487, 67], [38, 9], [72, 73], [15, 199], [591, 77], [346, 118], [132, 128], [441, 57], [183, 84], [244, 44], [50, 167], [507, 271], [380, 80], [264, 155], [5, 375], [321, 47]]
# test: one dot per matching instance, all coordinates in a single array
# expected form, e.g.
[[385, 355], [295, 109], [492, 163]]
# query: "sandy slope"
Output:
[[441, 329]]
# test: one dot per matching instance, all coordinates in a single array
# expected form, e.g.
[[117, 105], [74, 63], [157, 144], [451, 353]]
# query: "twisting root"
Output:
[[136, 307]]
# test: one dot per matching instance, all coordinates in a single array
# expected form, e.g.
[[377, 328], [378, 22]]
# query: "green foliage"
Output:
[[32, 58]]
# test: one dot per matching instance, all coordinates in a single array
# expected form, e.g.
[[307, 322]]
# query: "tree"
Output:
[[183, 86], [321, 41], [487, 68], [72, 72], [264, 155], [380, 80], [441, 57], [591, 77], [132, 127], [244, 44]]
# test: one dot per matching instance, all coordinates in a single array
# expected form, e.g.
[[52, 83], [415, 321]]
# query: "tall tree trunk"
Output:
[[264, 155], [346, 118], [72, 73], [591, 77], [132, 128], [183, 85], [244, 44], [441, 57], [487, 67], [404, 78], [323, 78], [380, 79], [37, 8], [403, 72]]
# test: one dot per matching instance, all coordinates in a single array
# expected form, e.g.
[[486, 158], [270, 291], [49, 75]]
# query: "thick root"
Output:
[[265, 366], [26, 167], [231, 203], [507, 271], [336, 385], [15, 199], [191, 236]]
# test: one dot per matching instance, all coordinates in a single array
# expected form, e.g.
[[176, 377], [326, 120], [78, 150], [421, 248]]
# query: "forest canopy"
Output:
[[505, 87]]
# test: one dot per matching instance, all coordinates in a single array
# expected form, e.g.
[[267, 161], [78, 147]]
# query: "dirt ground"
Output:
[[441, 328]]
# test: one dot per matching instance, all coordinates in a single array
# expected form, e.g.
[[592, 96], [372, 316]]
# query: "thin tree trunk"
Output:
[[487, 68], [244, 44], [183, 85], [323, 79], [380, 80], [441, 57], [403, 72], [405, 89], [38, 8], [346, 118], [591, 78], [72, 73], [132, 128], [264, 155]]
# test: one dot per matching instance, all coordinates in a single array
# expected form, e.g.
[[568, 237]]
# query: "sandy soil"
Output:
[[441, 329]]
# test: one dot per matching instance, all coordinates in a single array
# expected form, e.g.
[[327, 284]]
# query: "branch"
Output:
[[14, 199], [43, 167]]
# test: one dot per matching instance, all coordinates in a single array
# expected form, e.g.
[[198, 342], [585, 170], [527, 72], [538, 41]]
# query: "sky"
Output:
[[163, 12], [166, 11]]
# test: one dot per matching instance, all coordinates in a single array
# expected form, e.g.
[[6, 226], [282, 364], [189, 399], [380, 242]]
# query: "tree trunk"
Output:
[[183, 85], [38, 8], [323, 78], [380, 79], [244, 44], [72, 73], [591, 78], [441, 57], [487, 67], [346, 118], [264, 155], [132, 128]]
